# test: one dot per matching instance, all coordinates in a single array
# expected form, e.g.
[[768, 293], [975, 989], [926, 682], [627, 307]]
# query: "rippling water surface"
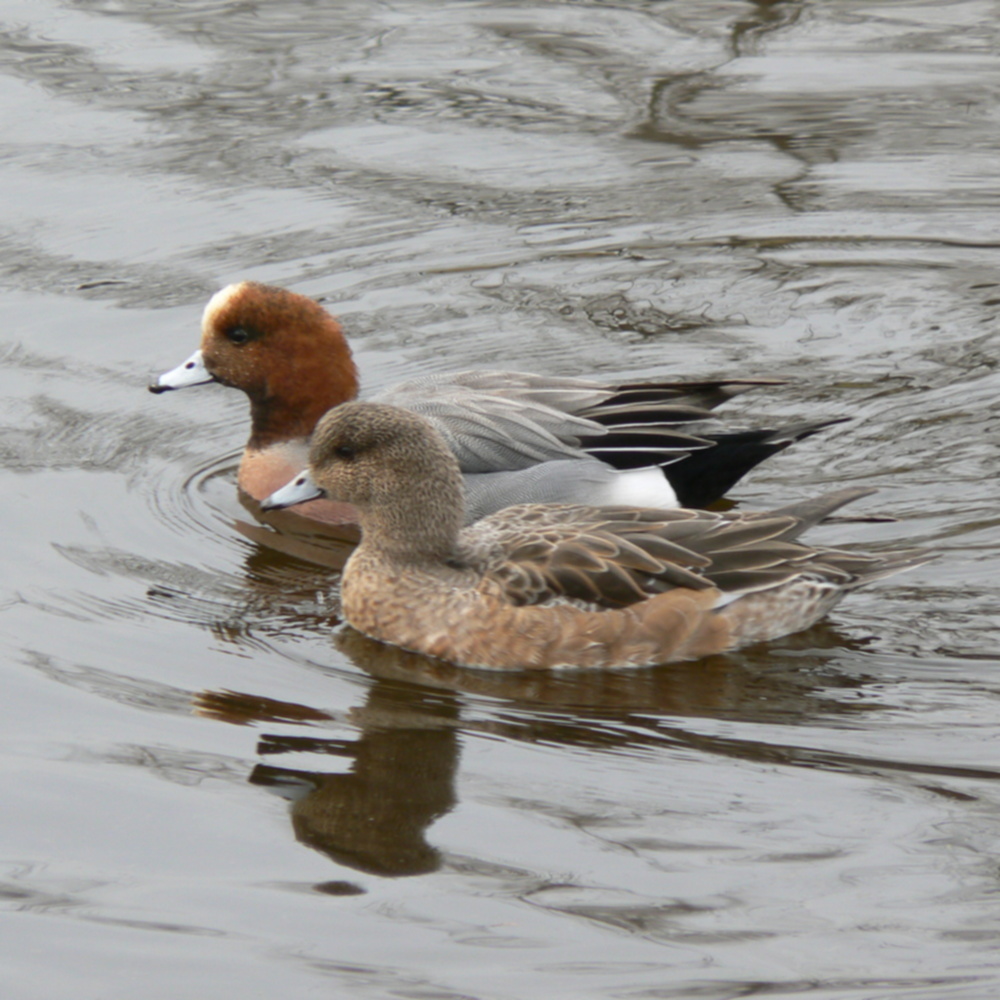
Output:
[[210, 792]]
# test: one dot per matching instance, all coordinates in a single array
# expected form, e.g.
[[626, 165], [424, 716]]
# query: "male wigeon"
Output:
[[549, 585], [518, 437]]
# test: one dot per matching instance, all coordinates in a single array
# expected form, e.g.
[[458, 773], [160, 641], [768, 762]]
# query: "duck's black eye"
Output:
[[237, 335], [344, 451]]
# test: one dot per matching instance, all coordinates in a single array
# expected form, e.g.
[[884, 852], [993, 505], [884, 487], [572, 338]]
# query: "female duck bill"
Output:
[[299, 490]]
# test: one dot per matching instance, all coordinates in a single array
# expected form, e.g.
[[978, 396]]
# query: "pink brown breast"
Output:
[[262, 471]]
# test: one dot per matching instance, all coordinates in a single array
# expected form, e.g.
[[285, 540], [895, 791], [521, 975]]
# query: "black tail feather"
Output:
[[707, 475], [700, 469], [664, 423]]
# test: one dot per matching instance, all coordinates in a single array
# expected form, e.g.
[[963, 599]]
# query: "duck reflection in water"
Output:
[[402, 778], [404, 760]]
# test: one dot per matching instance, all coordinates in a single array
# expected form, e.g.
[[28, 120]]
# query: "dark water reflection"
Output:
[[404, 760], [791, 189]]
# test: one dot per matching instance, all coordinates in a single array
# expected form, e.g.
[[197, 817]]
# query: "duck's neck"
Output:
[[289, 403], [279, 419], [419, 529]]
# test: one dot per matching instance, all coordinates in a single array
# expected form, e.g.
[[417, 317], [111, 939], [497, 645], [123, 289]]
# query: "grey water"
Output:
[[209, 789]]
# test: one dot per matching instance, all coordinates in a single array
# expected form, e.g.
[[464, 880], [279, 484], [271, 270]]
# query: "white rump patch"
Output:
[[641, 488]]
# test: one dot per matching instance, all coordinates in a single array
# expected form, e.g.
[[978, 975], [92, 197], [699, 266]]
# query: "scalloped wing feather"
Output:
[[617, 557]]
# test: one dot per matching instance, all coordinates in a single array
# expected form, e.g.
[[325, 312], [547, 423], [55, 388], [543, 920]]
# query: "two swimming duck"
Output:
[[580, 575]]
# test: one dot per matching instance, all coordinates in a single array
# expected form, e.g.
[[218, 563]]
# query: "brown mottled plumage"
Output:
[[547, 585]]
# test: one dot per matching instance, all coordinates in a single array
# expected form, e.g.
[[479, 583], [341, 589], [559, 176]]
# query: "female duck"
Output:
[[544, 585], [518, 437]]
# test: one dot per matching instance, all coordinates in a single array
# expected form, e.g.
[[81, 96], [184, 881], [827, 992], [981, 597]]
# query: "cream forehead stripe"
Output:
[[218, 302]]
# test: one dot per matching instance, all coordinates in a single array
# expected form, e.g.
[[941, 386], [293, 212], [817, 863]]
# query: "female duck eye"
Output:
[[238, 335], [344, 451]]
